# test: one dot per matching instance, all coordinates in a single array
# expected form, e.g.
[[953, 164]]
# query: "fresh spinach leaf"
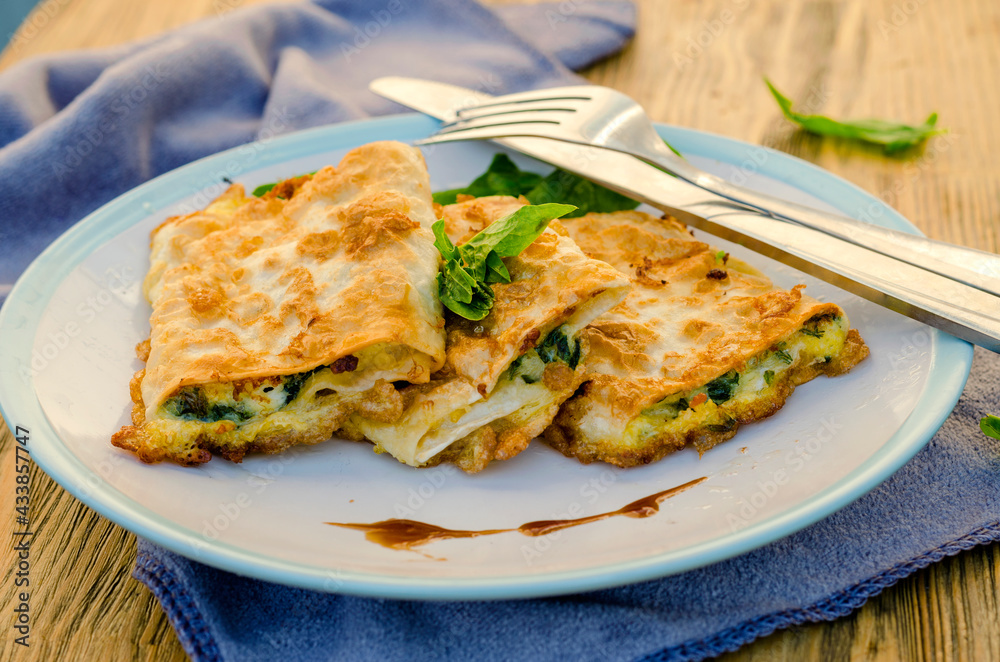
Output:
[[463, 280], [264, 188], [892, 136], [585, 195], [503, 177], [990, 425]]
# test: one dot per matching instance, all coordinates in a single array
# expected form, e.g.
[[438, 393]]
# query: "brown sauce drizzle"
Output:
[[407, 533]]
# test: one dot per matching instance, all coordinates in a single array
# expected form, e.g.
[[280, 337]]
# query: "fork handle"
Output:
[[975, 268]]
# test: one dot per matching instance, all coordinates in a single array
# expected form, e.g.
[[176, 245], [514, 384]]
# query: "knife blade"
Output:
[[963, 311]]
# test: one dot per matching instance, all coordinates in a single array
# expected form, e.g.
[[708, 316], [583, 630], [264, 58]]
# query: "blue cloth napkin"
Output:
[[79, 129]]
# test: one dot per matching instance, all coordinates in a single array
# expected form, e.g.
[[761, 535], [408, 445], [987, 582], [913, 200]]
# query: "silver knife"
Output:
[[964, 311]]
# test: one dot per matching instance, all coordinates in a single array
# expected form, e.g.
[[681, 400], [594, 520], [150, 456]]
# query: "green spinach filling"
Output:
[[556, 346], [293, 384], [721, 388], [192, 404]]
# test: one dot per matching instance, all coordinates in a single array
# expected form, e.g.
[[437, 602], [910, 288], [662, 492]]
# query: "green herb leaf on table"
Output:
[[892, 136], [990, 425], [463, 280]]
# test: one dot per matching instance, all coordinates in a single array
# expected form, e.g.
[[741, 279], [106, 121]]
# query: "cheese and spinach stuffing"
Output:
[[703, 344]]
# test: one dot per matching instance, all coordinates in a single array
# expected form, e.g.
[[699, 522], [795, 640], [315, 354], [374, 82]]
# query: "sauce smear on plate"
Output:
[[408, 533]]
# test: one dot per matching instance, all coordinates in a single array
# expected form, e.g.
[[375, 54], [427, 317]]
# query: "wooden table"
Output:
[[695, 64]]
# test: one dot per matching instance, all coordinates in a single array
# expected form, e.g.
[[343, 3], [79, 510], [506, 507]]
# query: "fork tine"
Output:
[[571, 103], [549, 116], [480, 112], [577, 92], [537, 129]]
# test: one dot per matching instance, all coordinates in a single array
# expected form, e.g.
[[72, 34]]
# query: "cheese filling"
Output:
[[443, 415], [245, 404], [705, 407]]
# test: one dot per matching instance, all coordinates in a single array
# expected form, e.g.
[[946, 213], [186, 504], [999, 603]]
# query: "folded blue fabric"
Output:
[[80, 128]]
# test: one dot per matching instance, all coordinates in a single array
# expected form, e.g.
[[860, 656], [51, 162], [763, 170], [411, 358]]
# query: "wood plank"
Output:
[[83, 603]]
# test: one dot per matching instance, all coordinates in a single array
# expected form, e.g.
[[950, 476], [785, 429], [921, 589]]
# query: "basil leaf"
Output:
[[457, 282], [503, 177], [463, 281], [892, 136], [473, 302], [514, 232], [585, 195], [496, 270], [443, 243], [448, 197], [990, 425], [263, 188]]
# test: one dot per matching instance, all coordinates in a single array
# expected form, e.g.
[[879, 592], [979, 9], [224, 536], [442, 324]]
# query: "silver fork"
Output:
[[602, 117]]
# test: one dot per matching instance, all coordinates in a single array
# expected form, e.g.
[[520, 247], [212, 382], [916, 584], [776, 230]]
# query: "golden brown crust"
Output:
[[381, 402], [687, 328], [551, 281], [726, 419], [287, 285], [286, 189], [313, 273], [692, 316]]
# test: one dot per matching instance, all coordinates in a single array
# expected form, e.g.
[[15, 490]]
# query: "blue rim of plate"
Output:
[[22, 312]]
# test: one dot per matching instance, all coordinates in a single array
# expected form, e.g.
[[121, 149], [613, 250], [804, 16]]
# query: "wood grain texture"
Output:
[[693, 63]]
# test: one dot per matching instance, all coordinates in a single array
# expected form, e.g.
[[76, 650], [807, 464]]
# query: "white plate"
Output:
[[68, 330]]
